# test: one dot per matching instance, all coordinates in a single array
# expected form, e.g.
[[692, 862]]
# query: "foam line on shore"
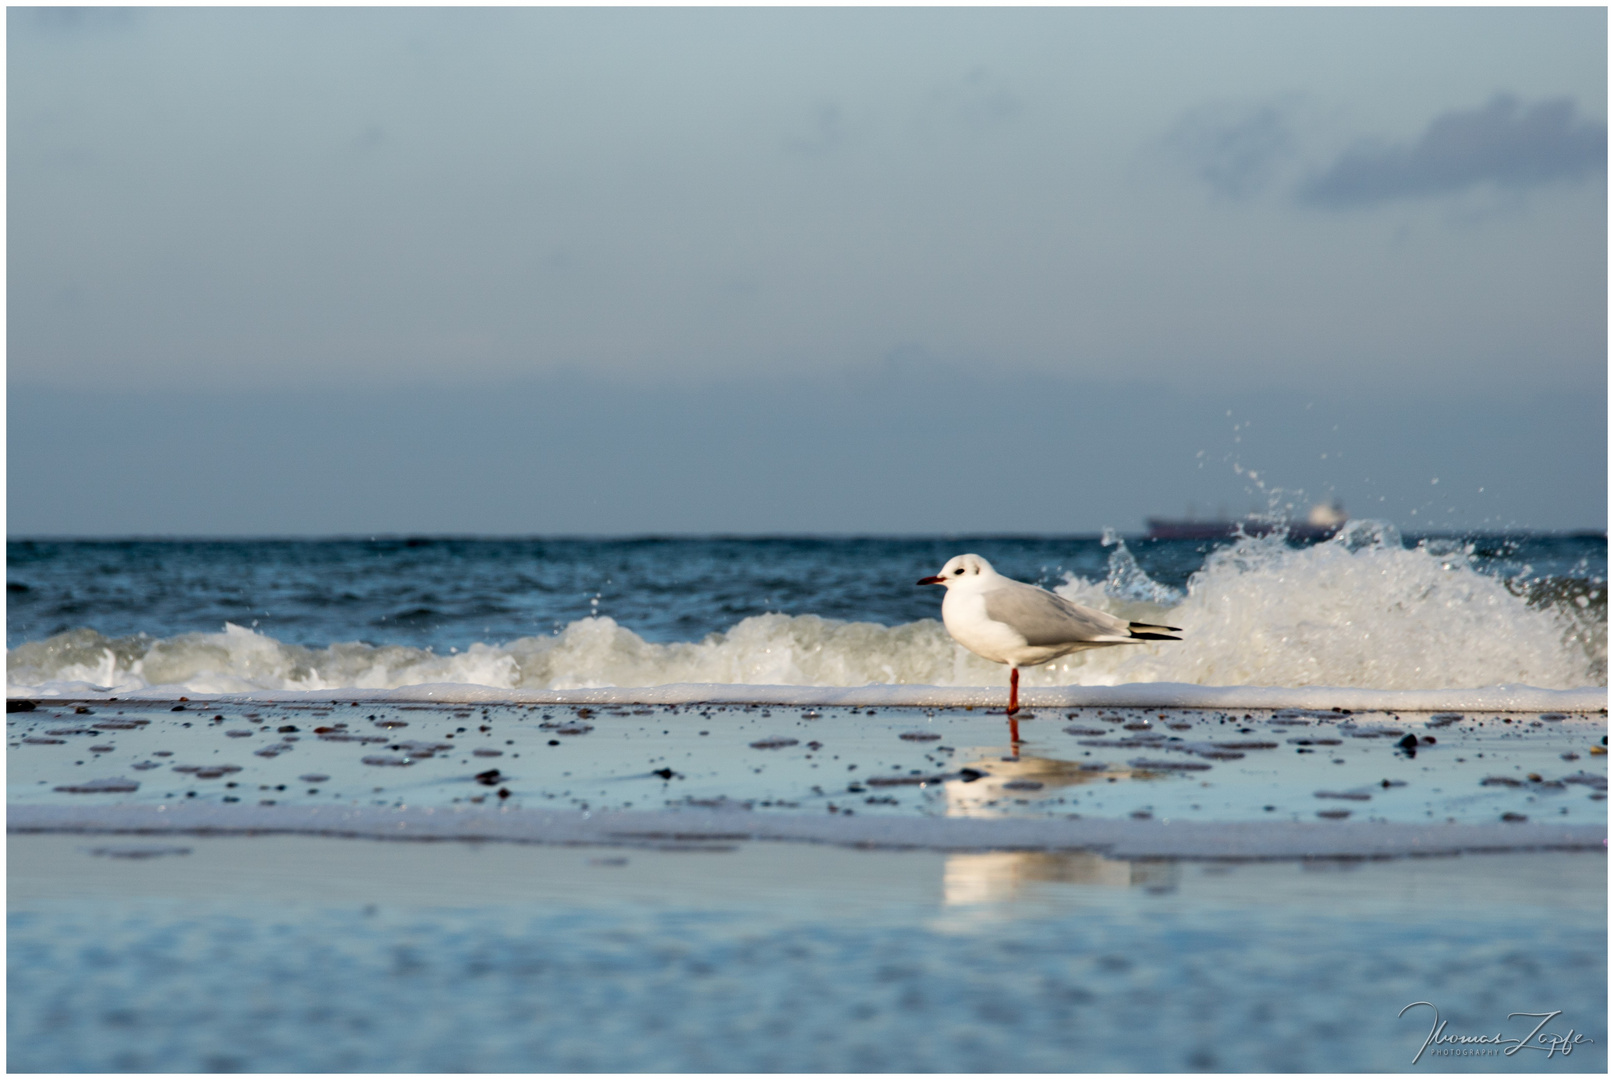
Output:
[[1121, 838], [1514, 698]]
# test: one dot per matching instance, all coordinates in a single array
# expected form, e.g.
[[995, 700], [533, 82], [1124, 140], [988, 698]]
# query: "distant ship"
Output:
[[1321, 522]]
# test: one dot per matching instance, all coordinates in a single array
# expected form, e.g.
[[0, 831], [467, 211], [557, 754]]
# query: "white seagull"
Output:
[[1010, 622]]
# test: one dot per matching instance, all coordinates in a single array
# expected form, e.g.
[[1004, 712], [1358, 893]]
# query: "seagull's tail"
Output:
[[1142, 631]]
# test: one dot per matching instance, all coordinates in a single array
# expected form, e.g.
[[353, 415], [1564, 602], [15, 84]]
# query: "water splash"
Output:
[[1358, 610], [1127, 581]]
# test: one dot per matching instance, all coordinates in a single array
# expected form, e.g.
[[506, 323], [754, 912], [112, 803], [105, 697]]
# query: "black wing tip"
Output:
[[1154, 637], [1150, 632]]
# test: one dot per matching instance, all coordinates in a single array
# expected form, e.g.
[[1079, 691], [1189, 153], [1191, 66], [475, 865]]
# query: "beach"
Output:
[[717, 885]]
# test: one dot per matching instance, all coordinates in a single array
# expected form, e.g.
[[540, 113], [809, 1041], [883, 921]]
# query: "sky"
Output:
[[587, 271]]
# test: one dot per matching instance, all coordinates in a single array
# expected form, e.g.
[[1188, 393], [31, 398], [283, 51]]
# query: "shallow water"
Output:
[[665, 939], [312, 954], [1364, 610]]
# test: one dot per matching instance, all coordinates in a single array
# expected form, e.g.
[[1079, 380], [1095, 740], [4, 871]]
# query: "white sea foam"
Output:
[[1360, 611], [1123, 838]]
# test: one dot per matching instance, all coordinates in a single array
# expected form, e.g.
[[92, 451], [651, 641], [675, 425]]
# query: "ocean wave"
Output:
[[1358, 611], [1361, 610]]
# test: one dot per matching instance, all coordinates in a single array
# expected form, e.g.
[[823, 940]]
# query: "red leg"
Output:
[[1014, 710]]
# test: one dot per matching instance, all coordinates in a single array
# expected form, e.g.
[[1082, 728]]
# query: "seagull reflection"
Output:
[[998, 876], [1007, 787], [1002, 786]]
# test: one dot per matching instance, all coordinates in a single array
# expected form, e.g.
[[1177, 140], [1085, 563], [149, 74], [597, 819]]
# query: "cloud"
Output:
[[1503, 142], [72, 20], [978, 101], [1235, 149], [825, 132], [371, 138]]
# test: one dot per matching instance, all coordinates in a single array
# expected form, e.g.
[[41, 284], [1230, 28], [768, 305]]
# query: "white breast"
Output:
[[964, 615]]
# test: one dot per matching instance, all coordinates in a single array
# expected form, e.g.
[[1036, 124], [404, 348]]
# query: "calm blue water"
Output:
[[1160, 978], [448, 593]]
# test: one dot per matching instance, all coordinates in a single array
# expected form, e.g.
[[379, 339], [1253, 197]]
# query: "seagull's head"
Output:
[[959, 568]]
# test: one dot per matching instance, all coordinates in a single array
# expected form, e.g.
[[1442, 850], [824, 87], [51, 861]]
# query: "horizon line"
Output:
[[435, 537]]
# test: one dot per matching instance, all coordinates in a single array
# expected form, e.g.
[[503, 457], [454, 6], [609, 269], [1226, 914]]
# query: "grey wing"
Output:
[[1046, 619]]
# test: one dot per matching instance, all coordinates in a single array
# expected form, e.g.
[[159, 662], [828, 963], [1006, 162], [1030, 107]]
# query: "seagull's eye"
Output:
[[960, 570]]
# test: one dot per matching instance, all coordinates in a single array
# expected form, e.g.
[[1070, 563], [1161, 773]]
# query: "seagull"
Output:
[[1011, 622]]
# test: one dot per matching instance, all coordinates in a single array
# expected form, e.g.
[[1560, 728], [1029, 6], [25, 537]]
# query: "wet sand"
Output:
[[929, 900], [1248, 767]]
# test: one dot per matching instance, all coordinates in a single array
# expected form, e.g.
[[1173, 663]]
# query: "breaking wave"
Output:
[[1358, 611]]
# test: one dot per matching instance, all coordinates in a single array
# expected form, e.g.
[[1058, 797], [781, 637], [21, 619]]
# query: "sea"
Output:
[[1369, 607]]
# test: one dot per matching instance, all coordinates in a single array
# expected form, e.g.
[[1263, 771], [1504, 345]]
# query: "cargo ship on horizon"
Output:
[[1321, 522]]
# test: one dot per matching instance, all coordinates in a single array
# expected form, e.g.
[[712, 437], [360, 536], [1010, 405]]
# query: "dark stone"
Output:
[[99, 787]]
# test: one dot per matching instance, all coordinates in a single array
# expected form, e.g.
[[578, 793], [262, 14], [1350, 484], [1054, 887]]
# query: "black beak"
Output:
[[933, 579]]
